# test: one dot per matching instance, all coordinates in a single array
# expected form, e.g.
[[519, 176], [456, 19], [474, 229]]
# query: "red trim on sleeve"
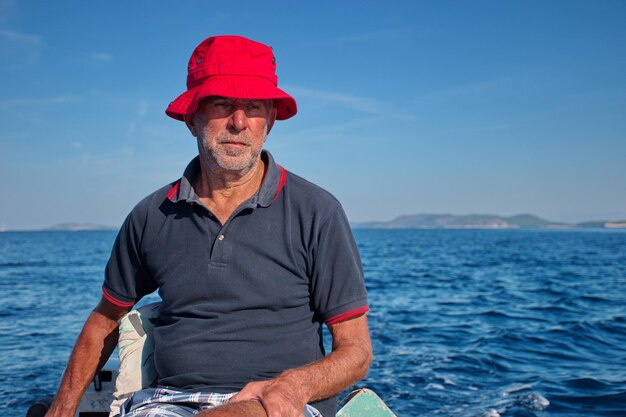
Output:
[[115, 301], [172, 193], [348, 315], [281, 181]]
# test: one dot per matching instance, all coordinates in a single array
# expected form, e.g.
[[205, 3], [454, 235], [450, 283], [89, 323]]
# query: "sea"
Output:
[[470, 323]]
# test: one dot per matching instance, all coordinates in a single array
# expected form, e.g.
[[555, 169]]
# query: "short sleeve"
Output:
[[126, 278], [337, 282]]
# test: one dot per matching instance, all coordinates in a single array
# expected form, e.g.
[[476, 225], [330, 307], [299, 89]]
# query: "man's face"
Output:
[[231, 132]]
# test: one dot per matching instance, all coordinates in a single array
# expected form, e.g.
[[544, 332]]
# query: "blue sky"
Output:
[[404, 106]]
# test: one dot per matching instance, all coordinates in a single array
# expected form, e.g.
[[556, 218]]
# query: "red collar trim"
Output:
[[281, 181], [171, 195]]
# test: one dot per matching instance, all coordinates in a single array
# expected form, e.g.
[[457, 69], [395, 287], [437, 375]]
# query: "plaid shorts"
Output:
[[164, 402]]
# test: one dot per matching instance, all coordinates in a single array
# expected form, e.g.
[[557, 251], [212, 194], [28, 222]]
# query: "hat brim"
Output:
[[242, 87]]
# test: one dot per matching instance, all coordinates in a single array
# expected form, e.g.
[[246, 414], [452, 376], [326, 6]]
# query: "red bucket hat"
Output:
[[231, 66]]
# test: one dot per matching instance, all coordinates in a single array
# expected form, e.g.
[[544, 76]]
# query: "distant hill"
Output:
[[613, 224], [479, 221], [78, 227], [419, 221]]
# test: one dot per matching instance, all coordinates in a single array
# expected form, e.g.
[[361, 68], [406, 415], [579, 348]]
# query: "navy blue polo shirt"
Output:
[[245, 300]]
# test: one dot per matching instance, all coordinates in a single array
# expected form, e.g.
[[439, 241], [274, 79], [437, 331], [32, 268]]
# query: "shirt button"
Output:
[[221, 237]]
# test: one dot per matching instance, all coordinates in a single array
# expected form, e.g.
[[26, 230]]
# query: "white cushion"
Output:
[[135, 347]]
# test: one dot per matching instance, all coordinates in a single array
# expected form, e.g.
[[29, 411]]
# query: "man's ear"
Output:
[[189, 121], [271, 119]]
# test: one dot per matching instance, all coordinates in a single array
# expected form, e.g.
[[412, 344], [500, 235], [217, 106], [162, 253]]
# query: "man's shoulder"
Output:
[[154, 200], [304, 190]]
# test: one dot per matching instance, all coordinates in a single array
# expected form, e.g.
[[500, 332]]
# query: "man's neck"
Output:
[[222, 191]]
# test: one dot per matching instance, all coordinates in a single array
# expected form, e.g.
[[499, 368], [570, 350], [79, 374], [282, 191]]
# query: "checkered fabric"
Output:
[[164, 402]]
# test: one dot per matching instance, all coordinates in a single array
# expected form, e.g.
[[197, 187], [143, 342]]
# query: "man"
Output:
[[249, 259]]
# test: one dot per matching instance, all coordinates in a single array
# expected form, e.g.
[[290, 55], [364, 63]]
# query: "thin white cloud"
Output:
[[111, 159], [14, 37], [7, 9], [43, 101], [18, 49], [140, 114], [466, 89], [86, 158], [102, 57], [362, 104], [336, 131], [372, 36]]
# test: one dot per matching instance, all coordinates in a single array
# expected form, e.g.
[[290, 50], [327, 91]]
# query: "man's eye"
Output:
[[255, 105], [222, 104]]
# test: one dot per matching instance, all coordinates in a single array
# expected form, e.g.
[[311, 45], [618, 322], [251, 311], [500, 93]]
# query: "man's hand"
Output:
[[280, 397]]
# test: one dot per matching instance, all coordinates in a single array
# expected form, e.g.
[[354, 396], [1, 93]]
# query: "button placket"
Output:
[[214, 231], [219, 246], [222, 245]]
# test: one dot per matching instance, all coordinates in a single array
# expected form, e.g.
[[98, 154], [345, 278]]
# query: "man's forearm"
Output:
[[287, 394], [93, 347], [347, 364]]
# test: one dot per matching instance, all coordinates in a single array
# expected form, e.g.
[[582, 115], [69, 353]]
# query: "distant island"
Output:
[[416, 221], [482, 221], [77, 227]]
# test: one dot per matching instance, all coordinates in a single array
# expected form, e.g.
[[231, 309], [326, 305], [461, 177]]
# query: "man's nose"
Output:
[[238, 119]]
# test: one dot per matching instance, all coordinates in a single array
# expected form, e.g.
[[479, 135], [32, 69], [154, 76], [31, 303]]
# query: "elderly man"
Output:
[[249, 259]]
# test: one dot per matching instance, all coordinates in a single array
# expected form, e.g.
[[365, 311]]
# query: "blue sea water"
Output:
[[463, 322]]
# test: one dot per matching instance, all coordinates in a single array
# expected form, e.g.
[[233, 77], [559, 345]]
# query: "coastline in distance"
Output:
[[482, 221]]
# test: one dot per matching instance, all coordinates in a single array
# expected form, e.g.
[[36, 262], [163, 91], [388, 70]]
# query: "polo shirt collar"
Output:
[[271, 186]]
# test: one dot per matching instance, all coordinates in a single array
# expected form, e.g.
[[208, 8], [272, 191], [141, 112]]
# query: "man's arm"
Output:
[[92, 349], [286, 395]]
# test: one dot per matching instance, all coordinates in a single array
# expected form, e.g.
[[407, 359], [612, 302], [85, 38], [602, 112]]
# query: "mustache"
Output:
[[246, 139]]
